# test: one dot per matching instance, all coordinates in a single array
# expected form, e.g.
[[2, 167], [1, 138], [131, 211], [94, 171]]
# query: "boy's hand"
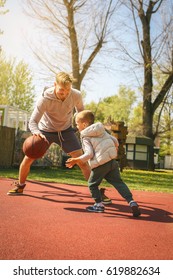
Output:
[[71, 162]]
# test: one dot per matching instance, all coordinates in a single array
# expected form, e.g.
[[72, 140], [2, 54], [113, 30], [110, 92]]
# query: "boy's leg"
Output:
[[114, 178], [93, 182]]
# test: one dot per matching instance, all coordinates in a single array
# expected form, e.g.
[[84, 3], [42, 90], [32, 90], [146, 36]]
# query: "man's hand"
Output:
[[41, 135]]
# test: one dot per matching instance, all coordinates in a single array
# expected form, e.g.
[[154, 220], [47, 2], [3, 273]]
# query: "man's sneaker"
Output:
[[17, 190], [97, 208], [135, 208], [105, 199]]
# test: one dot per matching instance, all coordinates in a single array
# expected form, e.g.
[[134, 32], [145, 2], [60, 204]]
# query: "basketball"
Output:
[[35, 146]]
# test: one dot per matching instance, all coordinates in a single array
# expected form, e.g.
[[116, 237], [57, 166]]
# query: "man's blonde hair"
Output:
[[86, 116], [64, 78]]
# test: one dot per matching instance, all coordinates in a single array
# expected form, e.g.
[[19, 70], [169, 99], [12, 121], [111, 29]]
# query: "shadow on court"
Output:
[[50, 222]]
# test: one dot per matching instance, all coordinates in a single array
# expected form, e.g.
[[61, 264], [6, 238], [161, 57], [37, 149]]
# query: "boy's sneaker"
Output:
[[17, 190], [97, 208], [105, 199], [135, 208]]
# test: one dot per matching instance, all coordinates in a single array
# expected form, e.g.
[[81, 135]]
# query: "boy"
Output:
[[100, 150]]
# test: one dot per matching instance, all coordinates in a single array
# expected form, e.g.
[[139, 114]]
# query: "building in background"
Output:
[[13, 117]]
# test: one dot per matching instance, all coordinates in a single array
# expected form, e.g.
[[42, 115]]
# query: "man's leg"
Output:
[[23, 173], [25, 169], [85, 168]]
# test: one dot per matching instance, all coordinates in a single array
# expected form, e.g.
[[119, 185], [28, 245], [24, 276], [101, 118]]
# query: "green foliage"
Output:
[[6, 68], [22, 92], [163, 117], [120, 107], [159, 181], [98, 109], [135, 122], [115, 108], [16, 84], [166, 128], [166, 141]]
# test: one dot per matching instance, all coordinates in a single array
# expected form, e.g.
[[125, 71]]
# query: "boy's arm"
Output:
[[88, 154]]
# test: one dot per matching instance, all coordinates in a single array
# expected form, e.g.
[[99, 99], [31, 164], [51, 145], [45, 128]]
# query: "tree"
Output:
[[22, 94], [16, 84], [115, 108], [118, 107], [165, 125], [135, 122], [155, 48], [78, 31], [163, 117], [166, 131], [6, 69], [98, 109]]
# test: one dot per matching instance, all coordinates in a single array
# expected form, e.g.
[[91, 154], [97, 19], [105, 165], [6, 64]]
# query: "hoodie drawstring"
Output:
[[60, 138]]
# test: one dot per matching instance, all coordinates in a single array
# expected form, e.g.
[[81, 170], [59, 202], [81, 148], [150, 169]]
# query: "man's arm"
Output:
[[36, 116]]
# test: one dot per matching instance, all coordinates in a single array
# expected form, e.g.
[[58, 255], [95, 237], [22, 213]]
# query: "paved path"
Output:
[[49, 222]]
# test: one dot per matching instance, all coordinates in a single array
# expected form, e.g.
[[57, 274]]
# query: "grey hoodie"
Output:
[[98, 145], [51, 114]]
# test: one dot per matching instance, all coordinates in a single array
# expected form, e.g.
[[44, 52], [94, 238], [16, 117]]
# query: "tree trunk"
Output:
[[148, 86], [74, 46]]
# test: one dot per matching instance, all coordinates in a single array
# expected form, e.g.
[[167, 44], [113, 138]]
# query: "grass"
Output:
[[158, 181]]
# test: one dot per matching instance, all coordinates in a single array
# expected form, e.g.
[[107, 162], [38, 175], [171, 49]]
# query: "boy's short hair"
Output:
[[64, 78], [86, 115]]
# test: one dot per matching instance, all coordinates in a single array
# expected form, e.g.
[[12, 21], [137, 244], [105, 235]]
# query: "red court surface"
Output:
[[50, 222]]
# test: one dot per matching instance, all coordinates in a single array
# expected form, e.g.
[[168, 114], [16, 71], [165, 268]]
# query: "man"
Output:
[[52, 119]]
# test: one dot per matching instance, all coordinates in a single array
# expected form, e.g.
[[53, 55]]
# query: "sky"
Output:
[[16, 27], [19, 29]]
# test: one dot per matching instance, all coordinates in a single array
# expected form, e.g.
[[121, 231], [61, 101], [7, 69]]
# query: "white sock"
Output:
[[131, 201], [100, 204]]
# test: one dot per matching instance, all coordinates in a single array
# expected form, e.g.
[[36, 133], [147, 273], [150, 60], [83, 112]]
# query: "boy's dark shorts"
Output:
[[66, 139]]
